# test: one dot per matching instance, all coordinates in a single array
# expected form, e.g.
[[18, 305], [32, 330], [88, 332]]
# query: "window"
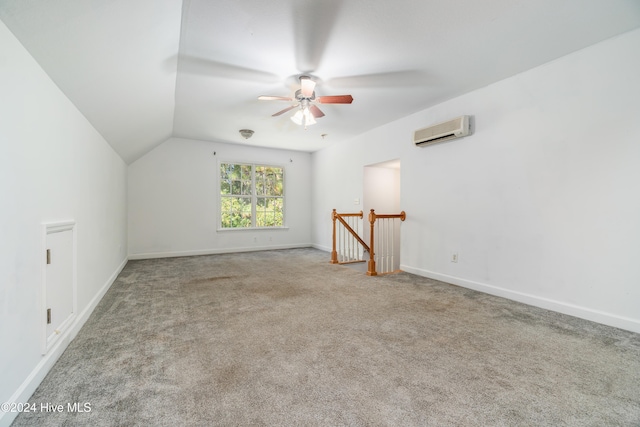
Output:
[[251, 195]]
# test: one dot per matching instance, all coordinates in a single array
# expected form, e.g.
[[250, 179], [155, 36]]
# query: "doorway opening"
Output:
[[381, 192]]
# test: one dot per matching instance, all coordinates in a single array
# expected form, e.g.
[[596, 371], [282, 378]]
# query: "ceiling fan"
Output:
[[305, 98]]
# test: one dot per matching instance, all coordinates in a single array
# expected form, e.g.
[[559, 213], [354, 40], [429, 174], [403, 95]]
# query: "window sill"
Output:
[[252, 229]]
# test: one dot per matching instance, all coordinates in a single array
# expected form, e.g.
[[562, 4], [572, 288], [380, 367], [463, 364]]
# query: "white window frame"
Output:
[[254, 197]]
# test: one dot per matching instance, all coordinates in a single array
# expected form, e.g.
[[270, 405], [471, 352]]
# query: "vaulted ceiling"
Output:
[[142, 71]]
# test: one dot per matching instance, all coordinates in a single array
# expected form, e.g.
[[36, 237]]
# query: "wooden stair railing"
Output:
[[371, 267], [335, 216], [373, 217]]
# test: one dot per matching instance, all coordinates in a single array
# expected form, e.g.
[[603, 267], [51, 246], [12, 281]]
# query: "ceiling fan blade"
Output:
[[404, 78], [284, 111], [313, 22], [206, 67], [316, 112], [335, 99], [274, 98], [307, 86]]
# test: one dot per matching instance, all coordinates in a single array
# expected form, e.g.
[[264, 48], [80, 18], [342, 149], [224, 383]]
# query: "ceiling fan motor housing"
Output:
[[300, 97]]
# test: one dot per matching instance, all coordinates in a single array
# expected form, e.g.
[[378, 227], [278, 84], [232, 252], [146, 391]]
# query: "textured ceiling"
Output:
[[142, 71]]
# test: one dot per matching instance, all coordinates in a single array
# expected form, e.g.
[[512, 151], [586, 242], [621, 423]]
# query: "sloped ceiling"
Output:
[[142, 71]]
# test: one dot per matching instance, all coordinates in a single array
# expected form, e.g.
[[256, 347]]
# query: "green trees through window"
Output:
[[251, 195]]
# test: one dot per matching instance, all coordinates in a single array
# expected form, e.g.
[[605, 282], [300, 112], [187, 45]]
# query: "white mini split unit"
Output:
[[456, 128]]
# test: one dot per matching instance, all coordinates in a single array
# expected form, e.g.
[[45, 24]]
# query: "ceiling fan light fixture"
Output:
[[308, 117], [303, 117], [297, 117]]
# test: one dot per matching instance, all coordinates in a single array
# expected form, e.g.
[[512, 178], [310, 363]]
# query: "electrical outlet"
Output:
[[454, 256]]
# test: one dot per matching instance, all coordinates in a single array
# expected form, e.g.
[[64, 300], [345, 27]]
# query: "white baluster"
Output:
[[351, 241], [389, 243], [341, 244], [357, 224], [378, 246], [393, 252], [382, 253], [386, 244]]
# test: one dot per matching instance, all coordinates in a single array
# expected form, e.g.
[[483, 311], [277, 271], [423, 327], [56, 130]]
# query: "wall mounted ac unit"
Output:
[[444, 131]]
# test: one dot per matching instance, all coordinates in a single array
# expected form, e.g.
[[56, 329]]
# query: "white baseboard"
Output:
[[322, 248], [153, 255], [597, 316], [29, 385]]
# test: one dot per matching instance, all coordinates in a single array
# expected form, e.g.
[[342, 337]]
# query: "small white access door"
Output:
[[59, 288]]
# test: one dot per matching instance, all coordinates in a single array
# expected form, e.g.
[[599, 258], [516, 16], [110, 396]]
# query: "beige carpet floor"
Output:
[[283, 338]]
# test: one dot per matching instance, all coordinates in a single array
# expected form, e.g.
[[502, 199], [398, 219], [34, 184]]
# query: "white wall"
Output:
[[542, 202], [173, 200], [54, 166], [381, 188]]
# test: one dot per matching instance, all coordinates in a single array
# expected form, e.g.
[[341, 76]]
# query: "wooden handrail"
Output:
[[402, 215], [358, 214]]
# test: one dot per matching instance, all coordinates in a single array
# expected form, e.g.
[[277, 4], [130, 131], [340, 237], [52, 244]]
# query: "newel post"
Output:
[[334, 254], [371, 271]]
